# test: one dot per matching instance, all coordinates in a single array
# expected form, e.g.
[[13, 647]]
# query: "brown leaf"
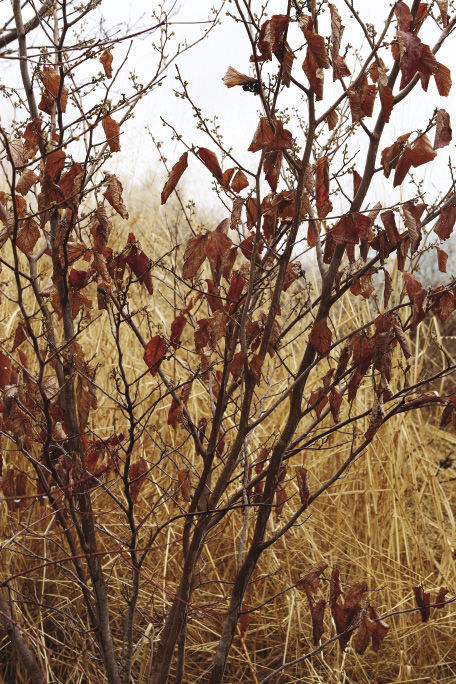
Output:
[[55, 162], [272, 34], [303, 484], [270, 136], [26, 182], [335, 401], [32, 135], [324, 205], [271, 166], [443, 7], [184, 482], [177, 327], [314, 73], [443, 132], [320, 337], [403, 15], [27, 236], [154, 352], [195, 254], [423, 600], [112, 130], [106, 61], [210, 161], [234, 78], [351, 229], [174, 177], [443, 79], [51, 81], [113, 194], [440, 598], [239, 181], [445, 223], [137, 473], [309, 581], [442, 258], [255, 365], [377, 417], [237, 365], [317, 47], [410, 49]]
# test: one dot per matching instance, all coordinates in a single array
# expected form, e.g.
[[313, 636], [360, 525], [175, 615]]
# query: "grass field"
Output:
[[390, 521]]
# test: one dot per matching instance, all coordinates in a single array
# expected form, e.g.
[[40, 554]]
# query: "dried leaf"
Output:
[[174, 177], [210, 161], [154, 352], [423, 600], [443, 132], [106, 61], [239, 181], [113, 194], [320, 337], [442, 258], [112, 130], [234, 78], [26, 182], [52, 87], [324, 205], [303, 484]]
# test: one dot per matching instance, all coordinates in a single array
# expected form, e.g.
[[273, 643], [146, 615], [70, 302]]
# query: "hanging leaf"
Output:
[[239, 181], [106, 61], [443, 132], [423, 600], [174, 177], [235, 78], [309, 581], [320, 337], [154, 352], [442, 258], [113, 194], [112, 130], [26, 182], [324, 205], [210, 161], [55, 162], [51, 81], [137, 474]]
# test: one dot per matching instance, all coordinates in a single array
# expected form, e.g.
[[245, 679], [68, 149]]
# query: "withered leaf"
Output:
[[51, 81], [423, 600], [324, 205], [113, 194], [443, 132], [320, 337], [55, 162], [234, 78], [106, 61], [26, 182], [210, 161], [112, 130], [239, 181], [303, 484], [174, 177], [442, 258], [154, 352]]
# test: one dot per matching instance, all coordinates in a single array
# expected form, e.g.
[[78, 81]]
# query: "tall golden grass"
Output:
[[390, 521]]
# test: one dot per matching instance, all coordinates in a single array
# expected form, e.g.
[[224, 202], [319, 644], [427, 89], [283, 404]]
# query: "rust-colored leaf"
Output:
[[52, 90], [26, 182], [303, 484], [320, 337], [55, 162], [235, 78], [324, 205], [423, 600], [443, 132], [443, 79], [442, 258], [154, 352], [210, 161], [184, 482], [174, 177], [239, 181], [137, 474], [106, 61], [112, 131], [113, 194]]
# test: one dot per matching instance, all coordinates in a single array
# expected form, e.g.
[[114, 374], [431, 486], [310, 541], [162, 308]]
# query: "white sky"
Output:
[[237, 111]]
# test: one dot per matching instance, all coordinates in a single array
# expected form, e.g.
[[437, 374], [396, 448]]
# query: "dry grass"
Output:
[[390, 522]]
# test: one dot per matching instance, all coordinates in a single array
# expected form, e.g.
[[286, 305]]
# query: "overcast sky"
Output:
[[237, 111]]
